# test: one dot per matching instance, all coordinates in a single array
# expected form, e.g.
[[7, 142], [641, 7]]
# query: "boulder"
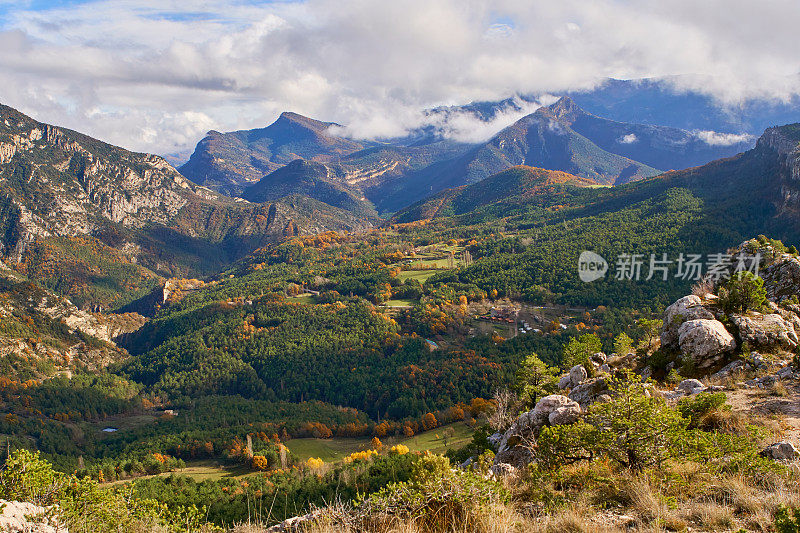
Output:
[[765, 330], [587, 392], [767, 381], [565, 415], [503, 470], [689, 385], [780, 451], [706, 341], [565, 382], [547, 405], [782, 278], [687, 308], [577, 375], [599, 358]]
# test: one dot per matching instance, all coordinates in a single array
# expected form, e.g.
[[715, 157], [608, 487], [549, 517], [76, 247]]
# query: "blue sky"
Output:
[[155, 76]]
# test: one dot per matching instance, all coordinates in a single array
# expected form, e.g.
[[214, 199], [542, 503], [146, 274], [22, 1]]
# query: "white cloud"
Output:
[[628, 139], [716, 138], [133, 72]]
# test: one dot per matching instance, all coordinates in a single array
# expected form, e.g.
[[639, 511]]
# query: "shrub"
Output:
[[787, 520], [398, 449], [436, 498], [743, 292], [634, 430], [696, 408]]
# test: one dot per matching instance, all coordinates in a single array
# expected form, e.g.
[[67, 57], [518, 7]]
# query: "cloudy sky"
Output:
[[156, 75]]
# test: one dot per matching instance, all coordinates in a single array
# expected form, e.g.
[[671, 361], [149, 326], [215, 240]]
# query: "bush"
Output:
[[436, 497], [787, 520], [743, 292], [634, 429], [696, 408]]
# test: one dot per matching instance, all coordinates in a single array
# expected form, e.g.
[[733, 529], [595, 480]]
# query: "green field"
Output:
[[332, 450], [399, 303], [200, 471], [419, 275], [302, 299]]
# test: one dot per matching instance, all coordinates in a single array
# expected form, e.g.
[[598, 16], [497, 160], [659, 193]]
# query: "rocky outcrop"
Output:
[[782, 278], [765, 331], [577, 375], [705, 341], [589, 391], [515, 446], [687, 308]]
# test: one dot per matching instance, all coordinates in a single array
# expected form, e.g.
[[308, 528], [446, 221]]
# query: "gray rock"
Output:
[[564, 382], [494, 439], [547, 405], [587, 392], [728, 369], [599, 358], [758, 360], [515, 445], [780, 451], [500, 470], [706, 341], [565, 415], [604, 368], [785, 372], [27, 517], [688, 385], [577, 375], [765, 330], [767, 381], [687, 308], [782, 278]]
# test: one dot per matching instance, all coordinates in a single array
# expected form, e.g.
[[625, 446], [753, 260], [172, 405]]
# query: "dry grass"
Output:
[[495, 519], [710, 515], [779, 389]]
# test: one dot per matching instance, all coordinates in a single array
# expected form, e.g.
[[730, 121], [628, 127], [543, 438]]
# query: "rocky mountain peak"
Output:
[[565, 109]]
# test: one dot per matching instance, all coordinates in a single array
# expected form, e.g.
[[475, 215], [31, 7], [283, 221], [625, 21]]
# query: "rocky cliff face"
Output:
[[61, 183], [42, 333], [784, 142]]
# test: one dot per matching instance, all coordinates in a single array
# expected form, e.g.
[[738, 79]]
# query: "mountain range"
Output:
[[392, 174], [63, 193]]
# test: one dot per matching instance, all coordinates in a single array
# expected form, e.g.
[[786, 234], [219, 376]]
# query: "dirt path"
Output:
[[784, 409]]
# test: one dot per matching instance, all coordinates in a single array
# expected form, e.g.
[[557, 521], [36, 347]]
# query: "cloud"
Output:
[[628, 139], [715, 138], [152, 76]]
